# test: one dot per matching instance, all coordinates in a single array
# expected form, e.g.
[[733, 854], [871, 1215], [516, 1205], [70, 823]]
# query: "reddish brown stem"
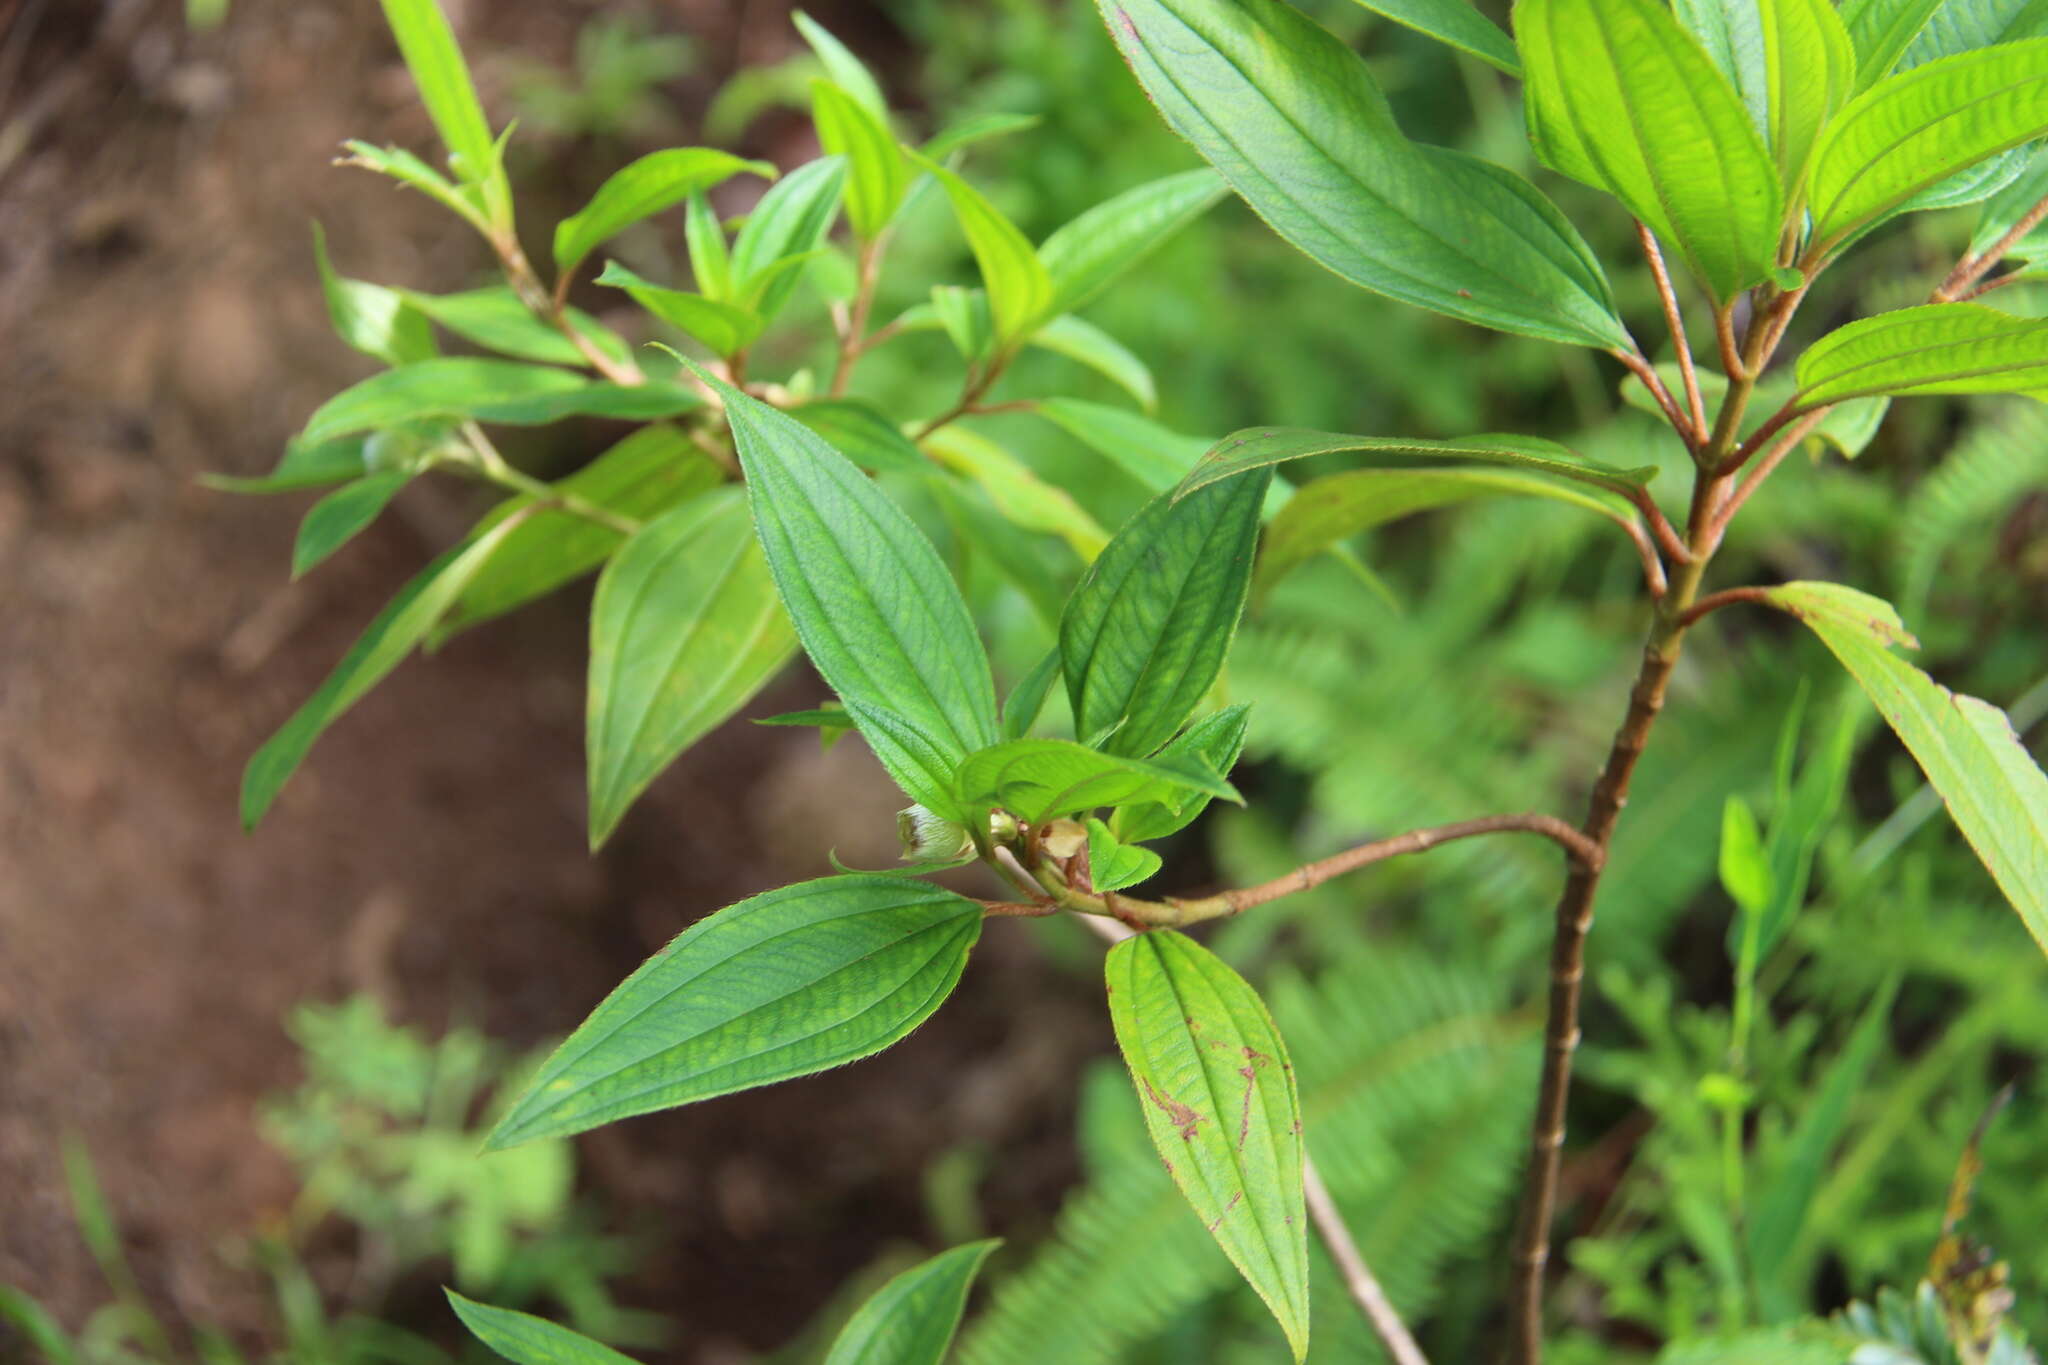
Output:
[[1696, 409], [1643, 370], [1787, 442], [1713, 602], [1970, 269]]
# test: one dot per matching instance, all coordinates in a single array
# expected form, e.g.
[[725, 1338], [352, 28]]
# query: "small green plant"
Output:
[[1762, 141]]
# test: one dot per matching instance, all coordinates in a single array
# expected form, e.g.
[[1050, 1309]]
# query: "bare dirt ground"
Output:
[[159, 317]]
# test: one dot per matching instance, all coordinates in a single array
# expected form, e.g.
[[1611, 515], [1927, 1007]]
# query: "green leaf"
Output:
[[724, 327], [1792, 63], [1457, 23], [1016, 490], [787, 983], [1037, 569], [1991, 785], [1212, 743], [1624, 99], [1332, 509], [1293, 120], [1967, 25], [1155, 456], [369, 317], [1262, 446], [1744, 867], [1020, 291], [1112, 865], [641, 189], [877, 174], [684, 630], [410, 171], [303, 465], [1086, 344], [872, 602], [1881, 31], [847, 71], [36, 1326], [963, 314], [644, 402], [454, 386], [431, 54], [1027, 699], [1220, 1105], [334, 520], [1922, 126], [860, 431], [1147, 630], [977, 128], [402, 624], [1848, 427], [641, 476], [710, 253], [1040, 779], [527, 1340], [1934, 348], [911, 1320], [1087, 255], [496, 318], [791, 220], [2003, 211]]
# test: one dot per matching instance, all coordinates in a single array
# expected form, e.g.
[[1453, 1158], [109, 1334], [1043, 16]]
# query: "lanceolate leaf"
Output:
[[1084, 343], [724, 327], [1220, 1105], [334, 520], [1881, 31], [525, 1339], [1262, 446], [1038, 779], [495, 318], [1935, 348], [877, 173], [684, 630], [1088, 254], [1293, 120], [791, 220], [374, 320], [1991, 785], [303, 465], [1020, 292], [2003, 211], [642, 189], [872, 602], [1214, 742], [389, 638], [431, 54], [1023, 497], [1922, 126], [863, 433], [1113, 864], [911, 1319], [444, 387], [793, 981], [1456, 22], [1623, 98], [1790, 60], [1147, 630], [1027, 698], [847, 71]]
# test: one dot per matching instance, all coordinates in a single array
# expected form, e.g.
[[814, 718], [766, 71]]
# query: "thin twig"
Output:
[[1676, 321], [1643, 370], [1713, 602], [495, 468], [1653, 567], [1970, 269], [1660, 525], [853, 341], [1787, 442], [1724, 336]]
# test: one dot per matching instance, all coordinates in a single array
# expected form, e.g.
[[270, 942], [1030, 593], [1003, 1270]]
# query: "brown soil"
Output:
[[159, 317]]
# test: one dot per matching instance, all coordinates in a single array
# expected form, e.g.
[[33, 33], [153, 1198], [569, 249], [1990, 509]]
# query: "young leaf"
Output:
[[684, 630], [1156, 456], [334, 520], [790, 221], [784, 984], [431, 54], [369, 317], [495, 317], [847, 71], [1021, 708], [1918, 128], [710, 253], [451, 386], [1791, 61], [402, 624], [877, 175], [410, 171], [725, 327], [1745, 869], [1040, 779], [525, 1339], [1020, 292], [1457, 23], [1084, 343], [863, 433], [1212, 743], [642, 189], [1293, 120], [1113, 865], [1881, 31], [872, 602], [964, 315], [1027, 500], [977, 128], [1263, 446], [1934, 348], [1992, 787], [1220, 1105], [1624, 99], [911, 1320], [1087, 255], [1147, 630]]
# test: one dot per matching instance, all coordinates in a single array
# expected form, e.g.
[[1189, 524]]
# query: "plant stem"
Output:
[[553, 309], [494, 468], [1694, 407], [853, 341], [1970, 269]]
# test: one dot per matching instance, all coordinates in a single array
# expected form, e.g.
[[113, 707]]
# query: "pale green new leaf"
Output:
[[872, 602], [1020, 291], [724, 327], [1934, 348], [1294, 121], [374, 320], [1088, 254], [1258, 447], [1456, 22], [431, 54], [334, 520], [496, 318], [1039, 779], [1114, 865], [787, 983], [790, 222], [976, 128], [1991, 785], [1084, 343], [877, 174], [1621, 97], [525, 1339], [911, 1320], [1147, 629], [847, 71], [641, 189], [1790, 60], [1213, 742], [1218, 1093], [410, 171], [1744, 867], [402, 624], [1918, 128], [710, 253], [1016, 490], [684, 630]]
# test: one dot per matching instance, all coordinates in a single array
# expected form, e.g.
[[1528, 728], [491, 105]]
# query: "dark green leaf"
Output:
[[790, 221], [644, 402], [527, 1340], [785, 984], [1040, 779], [1935, 348], [369, 317], [1294, 122], [1455, 22], [1147, 630], [911, 1320], [1087, 255], [1212, 743], [642, 189], [1263, 446], [684, 630], [1219, 1100], [334, 520]]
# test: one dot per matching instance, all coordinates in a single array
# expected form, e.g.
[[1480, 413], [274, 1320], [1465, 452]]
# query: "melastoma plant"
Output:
[[1758, 142]]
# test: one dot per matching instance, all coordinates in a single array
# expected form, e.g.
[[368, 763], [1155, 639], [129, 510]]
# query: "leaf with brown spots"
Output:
[[1220, 1103]]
